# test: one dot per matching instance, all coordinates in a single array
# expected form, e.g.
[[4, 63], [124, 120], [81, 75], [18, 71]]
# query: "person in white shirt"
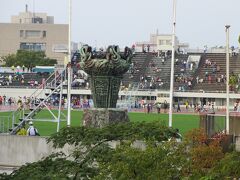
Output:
[[10, 79], [32, 131]]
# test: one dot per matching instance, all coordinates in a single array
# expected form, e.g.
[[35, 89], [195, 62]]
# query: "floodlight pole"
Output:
[[227, 78], [172, 65], [69, 66]]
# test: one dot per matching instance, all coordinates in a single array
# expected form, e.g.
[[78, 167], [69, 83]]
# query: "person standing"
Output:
[[143, 48], [186, 105], [148, 108], [178, 107], [165, 105], [22, 131], [148, 48], [205, 49], [23, 68], [32, 131], [158, 108]]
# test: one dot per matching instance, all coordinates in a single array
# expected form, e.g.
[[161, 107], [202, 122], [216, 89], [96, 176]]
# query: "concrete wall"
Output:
[[18, 150]]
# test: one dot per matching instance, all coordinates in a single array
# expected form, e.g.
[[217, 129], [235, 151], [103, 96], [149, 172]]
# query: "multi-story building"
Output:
[[36, 32], [161, 42]]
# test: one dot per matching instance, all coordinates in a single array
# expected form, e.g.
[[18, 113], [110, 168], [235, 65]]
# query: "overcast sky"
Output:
[[123, 22]]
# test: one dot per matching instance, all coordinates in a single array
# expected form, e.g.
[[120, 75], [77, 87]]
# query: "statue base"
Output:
[[100, 117]]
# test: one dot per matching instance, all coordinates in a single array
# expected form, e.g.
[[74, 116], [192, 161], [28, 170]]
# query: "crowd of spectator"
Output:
[[150, 82], [152, 79], [5, 100], [212, 73], [14, 79], [80, 80], [52, 102]]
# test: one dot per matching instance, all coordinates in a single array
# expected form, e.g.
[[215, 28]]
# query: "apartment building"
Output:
[[35, 32]]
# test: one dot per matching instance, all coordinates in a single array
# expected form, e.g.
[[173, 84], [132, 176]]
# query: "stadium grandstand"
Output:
[[199, 82], [198, 78]]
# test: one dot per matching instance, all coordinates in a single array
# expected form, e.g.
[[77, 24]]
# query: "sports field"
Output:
[[184, 122]]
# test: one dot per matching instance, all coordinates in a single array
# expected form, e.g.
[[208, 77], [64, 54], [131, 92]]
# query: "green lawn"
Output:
[[181, 121]]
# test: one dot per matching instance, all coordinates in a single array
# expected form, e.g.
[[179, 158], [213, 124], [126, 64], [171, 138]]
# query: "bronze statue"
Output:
[[106, 70]]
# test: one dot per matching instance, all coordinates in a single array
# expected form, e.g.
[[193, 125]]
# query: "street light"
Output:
[[227, 80], [172, 65]]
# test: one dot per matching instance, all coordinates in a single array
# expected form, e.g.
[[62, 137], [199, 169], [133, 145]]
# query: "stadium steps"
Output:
[[220, 59], [177, 70], [28, 77], [141, 60], [163, 74]]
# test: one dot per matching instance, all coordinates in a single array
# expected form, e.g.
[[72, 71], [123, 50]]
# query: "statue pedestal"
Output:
[[100, 117]]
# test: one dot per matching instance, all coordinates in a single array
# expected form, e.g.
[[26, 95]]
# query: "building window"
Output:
[[37, 20], [169, 42], [44, 34], [33, 34], [33, 46], [162, 42], [21, 33]]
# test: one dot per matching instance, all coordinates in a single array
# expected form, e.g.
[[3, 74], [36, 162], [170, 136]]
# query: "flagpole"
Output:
[[172, 65], [227, 78], [69, 66]]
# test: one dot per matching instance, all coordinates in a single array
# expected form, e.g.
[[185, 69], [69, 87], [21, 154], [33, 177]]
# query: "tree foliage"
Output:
[[131, 151], [233, 80], [227, 168], [204, 152], [27, 58]]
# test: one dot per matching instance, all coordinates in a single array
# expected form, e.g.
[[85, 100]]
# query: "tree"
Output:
[[28, 58], [233, 80], [227, 168], [239, 39], [94, 158], [204, 153], [132, 151]]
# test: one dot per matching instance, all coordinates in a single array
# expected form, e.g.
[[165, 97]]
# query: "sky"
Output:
[[102, 23]]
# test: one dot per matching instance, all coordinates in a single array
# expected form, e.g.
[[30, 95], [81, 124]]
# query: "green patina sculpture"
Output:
[[106, 71]]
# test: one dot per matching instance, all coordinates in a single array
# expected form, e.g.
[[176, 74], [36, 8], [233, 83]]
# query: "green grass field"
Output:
[[184, 122]]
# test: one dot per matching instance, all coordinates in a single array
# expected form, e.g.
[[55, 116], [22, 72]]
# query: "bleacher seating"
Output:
[[156, 74], [212, 84], [140, 61], [16, 78]]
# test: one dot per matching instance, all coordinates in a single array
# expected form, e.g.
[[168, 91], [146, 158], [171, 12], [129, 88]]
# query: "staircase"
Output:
[[37, 101]]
